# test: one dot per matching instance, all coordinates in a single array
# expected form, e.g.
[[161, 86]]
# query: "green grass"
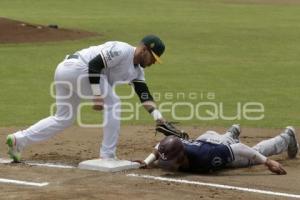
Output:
[[240, 52]]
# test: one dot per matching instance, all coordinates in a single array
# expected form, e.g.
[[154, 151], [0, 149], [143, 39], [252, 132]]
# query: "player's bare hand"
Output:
[[160, 121], [98, 103], [143, 165], [275, 167]]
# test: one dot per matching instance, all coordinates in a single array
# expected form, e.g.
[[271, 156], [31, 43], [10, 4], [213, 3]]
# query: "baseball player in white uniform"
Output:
[[92, 73]]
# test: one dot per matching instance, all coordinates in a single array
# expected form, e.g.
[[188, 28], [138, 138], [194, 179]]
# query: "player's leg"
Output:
[[111, 129], [66, 106], [286, 141], [231, 136], [46, 128], [210, 136]]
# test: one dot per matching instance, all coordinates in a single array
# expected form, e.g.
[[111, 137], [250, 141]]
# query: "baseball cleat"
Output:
[[13, 150], [235, 131], [293, 146]]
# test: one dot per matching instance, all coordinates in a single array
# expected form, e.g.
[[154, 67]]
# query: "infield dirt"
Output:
[[136, 142], [13, 31]]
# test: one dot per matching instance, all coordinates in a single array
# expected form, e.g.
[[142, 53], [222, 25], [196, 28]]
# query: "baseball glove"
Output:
[[167, 128]]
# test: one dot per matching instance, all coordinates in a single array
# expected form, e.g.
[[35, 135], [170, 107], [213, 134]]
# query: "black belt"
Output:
[[73, 56]]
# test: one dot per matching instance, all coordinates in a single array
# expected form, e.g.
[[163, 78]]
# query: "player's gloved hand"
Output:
[[98, 103], [275, 167], [167, 128]]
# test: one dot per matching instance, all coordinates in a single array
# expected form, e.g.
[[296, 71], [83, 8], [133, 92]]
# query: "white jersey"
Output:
[[118, 61]]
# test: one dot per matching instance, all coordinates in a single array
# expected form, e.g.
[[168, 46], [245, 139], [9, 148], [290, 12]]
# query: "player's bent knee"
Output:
[[64, 122]]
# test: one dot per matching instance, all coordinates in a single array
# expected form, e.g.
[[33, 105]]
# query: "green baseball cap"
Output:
[[156, 46]]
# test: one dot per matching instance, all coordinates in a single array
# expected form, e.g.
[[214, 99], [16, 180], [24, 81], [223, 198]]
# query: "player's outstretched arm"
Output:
[[275, 167], [150, 106], [149, 160], [142, 91], [245, 151]]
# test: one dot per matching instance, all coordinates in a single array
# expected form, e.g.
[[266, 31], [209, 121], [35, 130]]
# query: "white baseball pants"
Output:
[[72, 85]]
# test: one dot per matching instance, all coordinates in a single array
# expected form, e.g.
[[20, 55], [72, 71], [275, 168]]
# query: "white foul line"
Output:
[[11, 181], [216, 185], [52, 165], [3, 180]]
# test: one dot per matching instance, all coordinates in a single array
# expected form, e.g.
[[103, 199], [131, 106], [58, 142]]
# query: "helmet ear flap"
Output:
[[170, 147]]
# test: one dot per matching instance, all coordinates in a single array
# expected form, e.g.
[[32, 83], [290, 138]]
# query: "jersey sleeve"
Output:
[[113, 54], [140, 74]]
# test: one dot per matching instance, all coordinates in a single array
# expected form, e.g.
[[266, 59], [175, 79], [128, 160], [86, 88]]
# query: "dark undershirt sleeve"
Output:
[[95, 67], [141, 89]]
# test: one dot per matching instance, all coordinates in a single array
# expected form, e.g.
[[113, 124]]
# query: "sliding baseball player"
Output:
[[212, 151]]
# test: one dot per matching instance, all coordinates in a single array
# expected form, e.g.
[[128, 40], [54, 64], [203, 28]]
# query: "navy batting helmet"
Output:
[[171, 151]]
